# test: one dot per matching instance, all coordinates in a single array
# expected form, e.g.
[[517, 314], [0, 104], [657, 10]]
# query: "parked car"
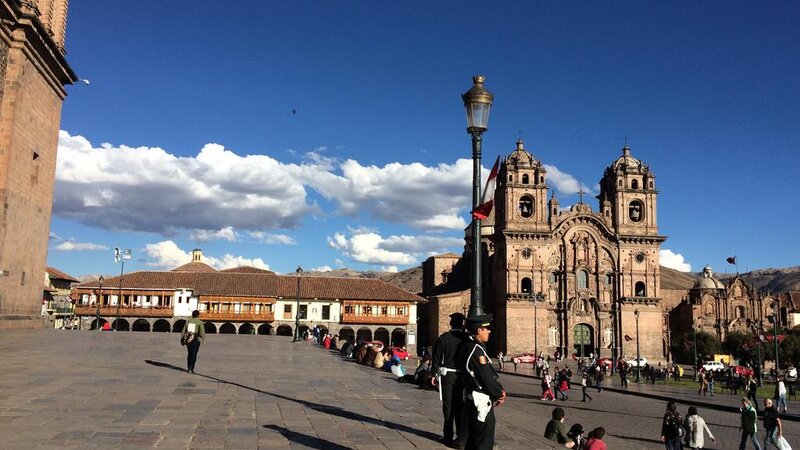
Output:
[[637, 362], [743, 371], [529, 358], [400, 352], [713, 365]]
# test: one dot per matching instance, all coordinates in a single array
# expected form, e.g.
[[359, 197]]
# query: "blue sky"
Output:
[[332, 134]]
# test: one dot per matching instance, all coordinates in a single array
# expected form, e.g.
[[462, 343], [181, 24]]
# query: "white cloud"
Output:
[[167, 255], [338, 262], [563, 182], [70, 246], [321, 269], [114, 187], [392, 269], [226, 234], [674, 260], [272, 238], [55, 237], [367, 246]]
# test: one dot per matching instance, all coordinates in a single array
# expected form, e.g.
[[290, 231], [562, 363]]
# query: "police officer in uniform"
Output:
[[482, 390], [445, 372]]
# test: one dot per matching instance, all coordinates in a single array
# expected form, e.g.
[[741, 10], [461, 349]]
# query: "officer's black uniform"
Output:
[[479, 376], [444, 363]]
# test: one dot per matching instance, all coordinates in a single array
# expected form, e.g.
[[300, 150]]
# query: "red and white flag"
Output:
[[487, 199]]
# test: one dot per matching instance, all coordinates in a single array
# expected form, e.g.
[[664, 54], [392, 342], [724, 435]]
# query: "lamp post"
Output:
[[756, 327], [694, 338], [638, 358], [120, 257], [775, 335], [297, 307], [99, 299], [478, 103]]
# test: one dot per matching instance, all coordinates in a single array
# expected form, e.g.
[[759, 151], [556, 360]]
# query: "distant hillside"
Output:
[[409, 279], [770, 280], [673, 279]]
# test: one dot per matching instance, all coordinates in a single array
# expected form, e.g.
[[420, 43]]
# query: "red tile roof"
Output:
[[55, 273], [195, 266], [259, 285]]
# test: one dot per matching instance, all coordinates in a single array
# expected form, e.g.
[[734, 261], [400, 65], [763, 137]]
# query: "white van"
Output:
[[713, 365]]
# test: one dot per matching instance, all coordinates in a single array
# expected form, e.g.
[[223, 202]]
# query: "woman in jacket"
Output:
[[695, 426]]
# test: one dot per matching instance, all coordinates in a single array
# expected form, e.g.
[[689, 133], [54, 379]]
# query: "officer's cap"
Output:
[[481, 321]]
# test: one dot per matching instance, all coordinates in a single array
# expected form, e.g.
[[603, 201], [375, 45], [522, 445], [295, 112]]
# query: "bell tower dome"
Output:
[[628, 196], [522, 193]]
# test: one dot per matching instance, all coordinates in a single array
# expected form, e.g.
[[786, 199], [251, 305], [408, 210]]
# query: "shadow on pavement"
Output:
[[327, 409], [630, 438], [306, 440]]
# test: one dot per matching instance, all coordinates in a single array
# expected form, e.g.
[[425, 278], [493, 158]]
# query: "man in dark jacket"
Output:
[[482, 390], [193, 334], [445, 374]]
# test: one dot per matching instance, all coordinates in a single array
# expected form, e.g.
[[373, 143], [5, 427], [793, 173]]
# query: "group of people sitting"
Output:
[[369, 354], [556, 431]]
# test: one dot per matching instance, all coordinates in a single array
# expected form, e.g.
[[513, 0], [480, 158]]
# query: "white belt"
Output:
[[446, 370]]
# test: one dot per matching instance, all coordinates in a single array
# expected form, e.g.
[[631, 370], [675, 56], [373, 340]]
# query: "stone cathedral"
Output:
[[580, 280]]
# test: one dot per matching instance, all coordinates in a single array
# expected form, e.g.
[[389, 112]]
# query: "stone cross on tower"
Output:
[[580, 192]]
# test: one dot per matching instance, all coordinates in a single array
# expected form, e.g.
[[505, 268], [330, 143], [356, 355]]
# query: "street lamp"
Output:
[[775, 335], [638, 358], [756, 327], [99, 299], [478, 103], [694, 338], [297, 313], [120, 257]]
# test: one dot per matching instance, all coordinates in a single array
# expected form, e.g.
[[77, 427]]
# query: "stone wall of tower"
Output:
[[33, 75]]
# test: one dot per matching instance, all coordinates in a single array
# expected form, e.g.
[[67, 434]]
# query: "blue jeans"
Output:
[[673, 444], [191, 356], [771, 438], [753, 438], [781, 401]]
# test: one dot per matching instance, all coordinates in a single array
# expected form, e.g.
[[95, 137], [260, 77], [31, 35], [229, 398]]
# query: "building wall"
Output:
[[30, 113]]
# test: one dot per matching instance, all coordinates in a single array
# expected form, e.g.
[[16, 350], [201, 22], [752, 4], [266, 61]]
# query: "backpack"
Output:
[[188, 338], [675, 425]]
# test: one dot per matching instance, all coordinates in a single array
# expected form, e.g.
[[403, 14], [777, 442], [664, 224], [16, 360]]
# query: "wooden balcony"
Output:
[[371, 319], [124, 311], [231, 316]]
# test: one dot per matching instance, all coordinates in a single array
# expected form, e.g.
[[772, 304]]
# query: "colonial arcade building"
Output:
[[247, 300], [570, 281]]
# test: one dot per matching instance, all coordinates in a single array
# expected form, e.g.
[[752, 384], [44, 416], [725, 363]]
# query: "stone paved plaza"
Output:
[[81, 389]]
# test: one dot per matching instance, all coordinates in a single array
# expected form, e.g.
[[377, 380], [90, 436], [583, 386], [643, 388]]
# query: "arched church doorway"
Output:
[[583, 339]]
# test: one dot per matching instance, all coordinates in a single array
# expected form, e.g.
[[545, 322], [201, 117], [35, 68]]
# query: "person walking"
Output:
[[748, 424], [703, 389], [772, 425], [482, 390], [598, 378], [710, 375], [622, 369], [780, 394], [547, 391], [583, 388], [501, 361], [695, 426], [192, 335], [445, 373], [752, 388], [671, 428]]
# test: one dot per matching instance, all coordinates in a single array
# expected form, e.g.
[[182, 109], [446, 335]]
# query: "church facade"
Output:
[[576, 281]]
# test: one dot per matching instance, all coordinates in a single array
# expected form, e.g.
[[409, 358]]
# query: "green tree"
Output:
[[789, 349], [741, 344], [707, 345]]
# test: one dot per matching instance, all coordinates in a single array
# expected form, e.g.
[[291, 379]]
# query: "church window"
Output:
[[619, 183], [640, 289], [527, 253], [583, 279], [510, 178], [634, 184], [739, 312], [709, 308], [526, 286], [636, 211], [526, 206], [553, 277], [525, 179], [541, 179], [609, 279]]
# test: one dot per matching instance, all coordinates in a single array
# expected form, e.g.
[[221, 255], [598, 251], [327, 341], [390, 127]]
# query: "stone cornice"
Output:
[[655, 301], [641, 239]]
